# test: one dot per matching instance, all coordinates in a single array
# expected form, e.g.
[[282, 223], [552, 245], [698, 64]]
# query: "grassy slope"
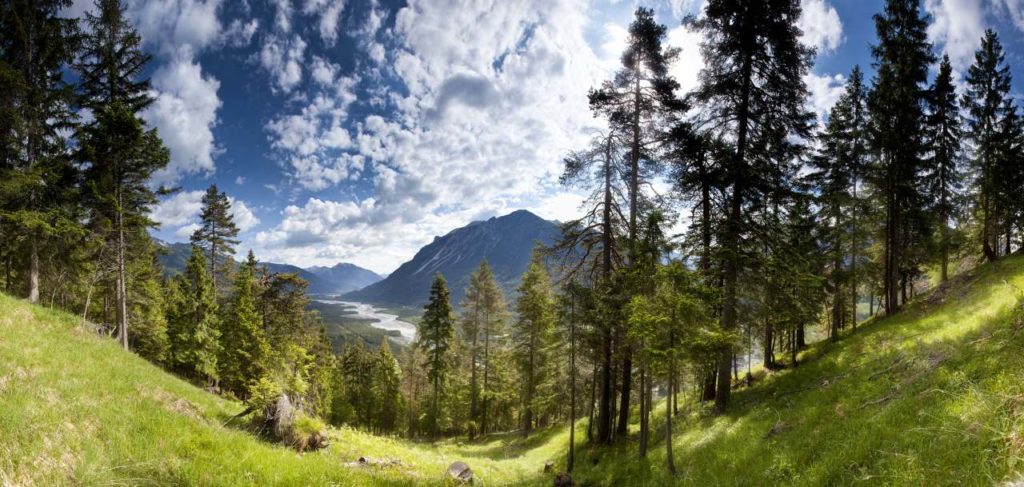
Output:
[[932, 396]]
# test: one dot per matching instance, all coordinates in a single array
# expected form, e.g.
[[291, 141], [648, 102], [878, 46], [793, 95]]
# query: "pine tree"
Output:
[[532, 338], [193, 324], [945, 179], [112, 63], [435, 339], [752, 96], [386, 386], [988, 86], [634, 102], [896, 106], [217, 232], [483, 315], [36, 171], [120, 153], [245, 351]]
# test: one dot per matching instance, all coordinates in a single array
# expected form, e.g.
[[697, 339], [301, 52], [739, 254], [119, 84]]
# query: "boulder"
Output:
[[460, 472]]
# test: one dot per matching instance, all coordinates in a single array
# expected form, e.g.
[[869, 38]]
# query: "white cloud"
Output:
[[1013, 8], [825, 92], [176, 25], [957, 25], [240, 180], [687, 68], [240, 34], [182, 211], [283, 59], [821, 25], [283, 15], [184, 114]]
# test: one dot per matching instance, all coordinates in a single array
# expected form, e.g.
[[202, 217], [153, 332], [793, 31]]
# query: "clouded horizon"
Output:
[[356, 131]]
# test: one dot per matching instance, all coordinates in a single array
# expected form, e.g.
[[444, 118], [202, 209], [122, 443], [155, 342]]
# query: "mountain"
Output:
[[338, 279], [506, 243], [346, 277]]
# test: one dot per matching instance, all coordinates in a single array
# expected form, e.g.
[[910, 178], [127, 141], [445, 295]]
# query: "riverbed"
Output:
[[383, 321]]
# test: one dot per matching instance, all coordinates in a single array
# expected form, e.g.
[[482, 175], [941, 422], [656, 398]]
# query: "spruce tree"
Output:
[[944, 165], [217, 232], [36, 173], [483, 315], [435, 339], [897, 134], [386, 386], [245, 351], [988, 86], [532, 337], [751, 96], [120, 153], [194, 324]]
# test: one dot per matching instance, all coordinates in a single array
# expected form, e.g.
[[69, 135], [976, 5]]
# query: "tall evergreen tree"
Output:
[[217, 232], [532, 338], [386, 387], [751, 97], [36, 172], [945, 177], [635, 101], [897, 133], [483, 315], [121, 155], [245, 351], [988, 86], [194, 324], [436, 340], [112, 62]]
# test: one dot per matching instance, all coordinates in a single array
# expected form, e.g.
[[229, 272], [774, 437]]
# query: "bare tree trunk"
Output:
[[33, 272], [572, 388], [669, 461]]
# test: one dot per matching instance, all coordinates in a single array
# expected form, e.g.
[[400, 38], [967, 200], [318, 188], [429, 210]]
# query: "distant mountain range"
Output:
[[338, 279], [506, 243]]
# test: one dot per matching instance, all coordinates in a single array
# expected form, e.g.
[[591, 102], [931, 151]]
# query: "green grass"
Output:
[[932, 396]]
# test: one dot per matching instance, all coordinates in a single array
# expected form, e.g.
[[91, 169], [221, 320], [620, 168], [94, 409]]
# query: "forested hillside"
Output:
[[749, 293]]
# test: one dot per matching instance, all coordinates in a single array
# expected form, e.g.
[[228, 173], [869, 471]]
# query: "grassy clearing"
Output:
[[933, 396]]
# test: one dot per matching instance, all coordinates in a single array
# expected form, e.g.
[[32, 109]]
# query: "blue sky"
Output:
[[356, 131]]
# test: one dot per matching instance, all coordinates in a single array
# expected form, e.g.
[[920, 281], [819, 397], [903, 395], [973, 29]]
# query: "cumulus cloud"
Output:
[[184, 114], [182, 211], [821, 25], [825, 92], [283, 59], [957, 25], [174, 25]]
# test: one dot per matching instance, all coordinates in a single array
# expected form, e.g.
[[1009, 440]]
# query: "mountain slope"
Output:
[[338, 279], [931, 396], [75, 409], [506, 243]]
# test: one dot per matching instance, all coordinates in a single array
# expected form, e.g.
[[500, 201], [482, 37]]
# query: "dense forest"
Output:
[[796, 229]]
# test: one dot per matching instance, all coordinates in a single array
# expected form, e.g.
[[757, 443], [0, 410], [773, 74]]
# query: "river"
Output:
[[384, 321]]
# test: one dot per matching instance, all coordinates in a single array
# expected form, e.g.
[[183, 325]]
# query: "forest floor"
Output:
[[931, 396]]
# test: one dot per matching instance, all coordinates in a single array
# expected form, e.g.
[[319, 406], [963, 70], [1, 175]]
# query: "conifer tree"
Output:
[[896, 106], [435, 339], [751, 97], [483, 315], [532, 338], [193, 324], [36, 172], [945, 178], [245, 351], [386, 387], [217, 232], [120, 153], [635, 101], [988, 86]]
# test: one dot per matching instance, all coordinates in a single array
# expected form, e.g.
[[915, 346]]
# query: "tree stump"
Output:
[[564, 480]]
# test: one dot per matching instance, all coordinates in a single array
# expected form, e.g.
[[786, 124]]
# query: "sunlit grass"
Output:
[[932, 396]]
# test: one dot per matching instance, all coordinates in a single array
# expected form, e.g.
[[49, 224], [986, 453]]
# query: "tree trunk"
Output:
[[669, 462], [122, 295], [572, 388], [33, 271], [604, 417]]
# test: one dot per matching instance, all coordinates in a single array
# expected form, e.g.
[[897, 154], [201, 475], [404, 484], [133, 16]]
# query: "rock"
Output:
[[564, 480], [460, 472], [280, 414], [549, 466]]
